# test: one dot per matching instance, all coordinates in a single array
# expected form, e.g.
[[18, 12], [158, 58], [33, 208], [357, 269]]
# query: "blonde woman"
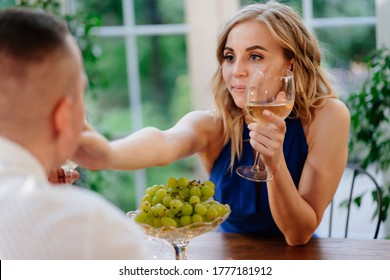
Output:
[[306, 153]]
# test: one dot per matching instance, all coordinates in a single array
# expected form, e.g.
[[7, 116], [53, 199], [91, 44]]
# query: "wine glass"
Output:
[[273, 91], [69, 167]]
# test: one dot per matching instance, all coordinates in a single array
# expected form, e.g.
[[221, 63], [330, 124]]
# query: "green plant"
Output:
[[51, 6], [370, 121], [80, 25]]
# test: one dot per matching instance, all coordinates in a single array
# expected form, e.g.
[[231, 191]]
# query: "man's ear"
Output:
[[61, 116], [62, 128]]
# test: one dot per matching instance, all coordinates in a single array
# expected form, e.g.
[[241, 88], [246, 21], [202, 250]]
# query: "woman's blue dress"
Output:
[[249, 200]]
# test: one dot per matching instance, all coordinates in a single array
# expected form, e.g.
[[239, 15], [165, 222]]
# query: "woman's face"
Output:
[[249, 46]]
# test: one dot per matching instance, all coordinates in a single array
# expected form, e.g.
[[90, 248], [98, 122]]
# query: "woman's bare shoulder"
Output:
[[333, 109], [331, 119]]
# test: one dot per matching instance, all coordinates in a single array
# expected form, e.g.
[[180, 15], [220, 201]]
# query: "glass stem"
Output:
[[258, 165], [181, 250], [68, 177]]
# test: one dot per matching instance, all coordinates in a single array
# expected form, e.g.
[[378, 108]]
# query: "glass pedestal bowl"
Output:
[[180, 237]]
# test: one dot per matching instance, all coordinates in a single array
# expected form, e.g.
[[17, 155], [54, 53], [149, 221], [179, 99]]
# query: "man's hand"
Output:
[[57, 176]]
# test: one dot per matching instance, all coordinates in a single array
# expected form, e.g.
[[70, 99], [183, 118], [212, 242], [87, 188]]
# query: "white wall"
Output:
[[383, 22], [204, 19]]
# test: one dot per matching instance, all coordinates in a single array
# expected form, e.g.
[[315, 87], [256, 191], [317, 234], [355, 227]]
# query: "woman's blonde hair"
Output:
[[311, 83]]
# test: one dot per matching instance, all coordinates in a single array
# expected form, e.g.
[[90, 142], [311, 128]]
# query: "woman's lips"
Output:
[[239, 89]]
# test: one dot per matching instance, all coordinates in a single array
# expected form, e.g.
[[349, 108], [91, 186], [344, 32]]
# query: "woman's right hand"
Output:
[[268, 139]]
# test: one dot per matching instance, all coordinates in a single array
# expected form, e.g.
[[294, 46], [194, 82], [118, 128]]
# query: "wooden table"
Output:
[[222, 246]]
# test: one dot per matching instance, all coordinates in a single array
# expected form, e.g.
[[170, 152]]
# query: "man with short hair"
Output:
[[42, 83]]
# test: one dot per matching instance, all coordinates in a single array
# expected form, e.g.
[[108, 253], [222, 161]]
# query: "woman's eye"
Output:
[[229, 58], [255, 57]]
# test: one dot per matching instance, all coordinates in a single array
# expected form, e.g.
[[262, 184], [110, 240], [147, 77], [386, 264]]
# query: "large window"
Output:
[[143, 80]]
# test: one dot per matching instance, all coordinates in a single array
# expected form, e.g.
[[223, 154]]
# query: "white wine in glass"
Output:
[[69, 167], [274, 92]]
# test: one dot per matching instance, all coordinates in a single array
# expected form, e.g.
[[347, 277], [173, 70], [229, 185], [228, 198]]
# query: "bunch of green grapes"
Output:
[[179, 203]]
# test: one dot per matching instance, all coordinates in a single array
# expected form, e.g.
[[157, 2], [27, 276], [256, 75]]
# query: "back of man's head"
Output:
[[29, 35], [41, 84], [32, 45]]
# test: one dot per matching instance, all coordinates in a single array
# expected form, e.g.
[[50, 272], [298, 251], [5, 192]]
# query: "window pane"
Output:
[[7, 3], [345, 56], [108, 103], [163, 66], [356, 43], [296, 4], [165, 94], [159, 11], [111, 11], [346, 8]]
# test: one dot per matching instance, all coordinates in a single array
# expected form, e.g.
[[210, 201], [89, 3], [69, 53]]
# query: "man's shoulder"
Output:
[[76, 197], [73, 223]]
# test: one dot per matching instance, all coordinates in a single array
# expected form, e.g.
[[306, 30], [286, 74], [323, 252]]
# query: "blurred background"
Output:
[[149, 62]]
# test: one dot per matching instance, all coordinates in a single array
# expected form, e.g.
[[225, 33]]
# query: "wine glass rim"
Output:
[[289, 73]]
